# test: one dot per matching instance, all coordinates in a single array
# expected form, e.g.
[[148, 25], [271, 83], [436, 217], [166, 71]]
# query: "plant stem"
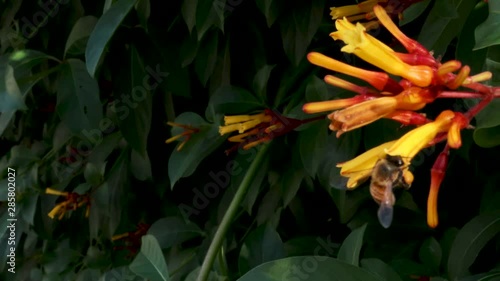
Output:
[[230, 213]]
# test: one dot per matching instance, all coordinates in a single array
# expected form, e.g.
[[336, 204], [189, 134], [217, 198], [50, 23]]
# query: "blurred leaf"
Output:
[[78, 103], [140, 166], [299, 27], [104, 30], [430, 254], [316, 90], [200, 145], [262, 245], [136, 124], [209, 13], [445, 243], [466, 40], [79, 35], [189, 48], [88, 275], [150, 262], [487, 32], [351, 247], [172, 231], [222, 71], [312, 143], [414, 11], [407, 267], [469, 242], [206, 58], [444, 23], [490, 196], [291, 181], [380, 269], [271, 9], [230, 100], [189, 13], [143, 8], [490, 276], [21, 156], [11, 98], [93, 174], [317, 268], [260, 80]]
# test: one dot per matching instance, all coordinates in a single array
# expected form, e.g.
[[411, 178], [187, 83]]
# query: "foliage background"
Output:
[[66, 67]]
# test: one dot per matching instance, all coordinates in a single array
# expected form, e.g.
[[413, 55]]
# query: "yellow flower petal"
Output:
[[242, 118], [364, 162], [365, 113], [51, 191]]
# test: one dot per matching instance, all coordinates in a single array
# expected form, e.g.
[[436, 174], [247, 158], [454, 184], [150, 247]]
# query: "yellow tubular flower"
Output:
[[349, 10], [242, 123], [51, 191], [377, 53], [360, 168], [415, 140]]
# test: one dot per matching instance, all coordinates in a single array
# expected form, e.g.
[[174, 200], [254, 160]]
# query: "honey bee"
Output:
[[386, 175]]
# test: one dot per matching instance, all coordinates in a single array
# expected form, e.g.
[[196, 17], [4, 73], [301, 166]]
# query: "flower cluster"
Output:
[[72, 201], [364, 11], [258, 128], [423, 80]]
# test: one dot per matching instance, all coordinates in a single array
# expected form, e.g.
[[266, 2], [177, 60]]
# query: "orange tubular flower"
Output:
[[188, 132], [437, 176], [377, 53], [73, 201]]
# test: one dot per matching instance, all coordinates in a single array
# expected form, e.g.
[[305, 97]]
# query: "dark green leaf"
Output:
[[291, 181], [444, 23], [140, 166], [209, 13], [316, 90], [414, 11], [93, 174], [230, 100], [88, 275], [78, 103], [469, 242], [103, 31], [189, 13], [200, 145], [312, 143], [299, 27], [380, 269], [262, 245], [260, 80], [487, 33], [206, 58], [310, 267], [150, 262], [77, 39], [172, 231], [136, 124], [430, 254], [490, 276], [465, 53], [271, 9], [143, 8], [222, 71], [351, 247], [11, 98]]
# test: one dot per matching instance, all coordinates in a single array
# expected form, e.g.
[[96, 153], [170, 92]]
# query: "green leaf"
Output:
[[172, 231], [487, 32], [291, 181], [299, 27], [79, 35], [490, 276], [380, 269], [78, 103], [310, 267], [183, 163], [209, 13], [444, 23], [351, 247], [466, 40], [93, 174], [414, 11], [103, 31], [143, 8], [312, 143], [260, 80], [230, 100], [430, 254], [188, 11], [11, 98], [150, 262], [487, 132], [469, 242], [271, 9], [135, 122], [140, 166], [316, 90], [262, 245], [206, 58]]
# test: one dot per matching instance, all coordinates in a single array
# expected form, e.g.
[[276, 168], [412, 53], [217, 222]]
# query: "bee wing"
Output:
[[385, 210]]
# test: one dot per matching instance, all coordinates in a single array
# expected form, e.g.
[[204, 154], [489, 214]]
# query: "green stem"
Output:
[[230, 214]]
